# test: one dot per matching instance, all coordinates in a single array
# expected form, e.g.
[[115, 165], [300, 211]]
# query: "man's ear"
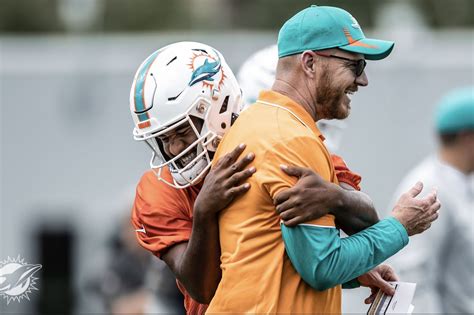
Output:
[[308, 62]]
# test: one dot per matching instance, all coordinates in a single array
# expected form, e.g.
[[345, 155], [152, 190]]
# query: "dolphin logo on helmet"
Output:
[[206, 71]]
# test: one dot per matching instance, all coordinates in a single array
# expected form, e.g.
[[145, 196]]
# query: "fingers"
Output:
[[372, 296], [428, 201], [288, 204], [242, 163], [239, 177], [296, 171], [431, 219], [389, 274], [238, 190], [231, 157], [282, 197], [385, 286], [392, 276], [288, 214], [415, 190], [434, 208], [294, 221]]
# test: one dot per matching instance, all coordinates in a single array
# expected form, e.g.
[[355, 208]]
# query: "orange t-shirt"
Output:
[[162, 216]]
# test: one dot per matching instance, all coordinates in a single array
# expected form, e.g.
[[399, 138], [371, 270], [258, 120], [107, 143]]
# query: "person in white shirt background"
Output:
[[441, 261]]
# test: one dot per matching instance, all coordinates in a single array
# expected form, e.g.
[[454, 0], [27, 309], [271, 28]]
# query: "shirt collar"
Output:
[[286, 102]]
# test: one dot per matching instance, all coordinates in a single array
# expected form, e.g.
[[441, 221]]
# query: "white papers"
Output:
[[399, 303]]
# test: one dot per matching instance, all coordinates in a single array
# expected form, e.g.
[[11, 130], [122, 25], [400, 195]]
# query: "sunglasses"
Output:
[[359, 63]]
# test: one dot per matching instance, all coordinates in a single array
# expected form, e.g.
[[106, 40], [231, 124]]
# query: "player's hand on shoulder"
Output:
[[311, 198], [225, 181]]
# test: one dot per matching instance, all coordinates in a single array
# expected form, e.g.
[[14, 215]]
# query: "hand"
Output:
[[224, 182], [377, 279], [416, 215], [312, 197]]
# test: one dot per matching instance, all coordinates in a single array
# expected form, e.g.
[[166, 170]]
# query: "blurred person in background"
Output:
[[191, 97], [130, 281], [441, 261], [322, 53]]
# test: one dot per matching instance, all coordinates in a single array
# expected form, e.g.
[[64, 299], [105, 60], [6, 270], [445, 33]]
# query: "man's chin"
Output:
[[344, 112]]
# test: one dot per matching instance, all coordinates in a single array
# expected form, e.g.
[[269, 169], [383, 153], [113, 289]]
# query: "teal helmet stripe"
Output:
[[143, 117], [140, 108]]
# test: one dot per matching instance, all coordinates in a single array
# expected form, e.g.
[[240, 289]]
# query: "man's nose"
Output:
[[362, 80], [176, 146]]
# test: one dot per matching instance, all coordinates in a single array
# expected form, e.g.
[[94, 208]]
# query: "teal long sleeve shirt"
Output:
[[324, 259]]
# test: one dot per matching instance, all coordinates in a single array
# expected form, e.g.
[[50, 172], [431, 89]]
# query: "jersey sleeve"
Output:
[[160, 215], [344, 174]]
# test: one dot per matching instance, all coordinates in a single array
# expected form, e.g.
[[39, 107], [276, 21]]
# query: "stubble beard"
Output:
[[329, 98]]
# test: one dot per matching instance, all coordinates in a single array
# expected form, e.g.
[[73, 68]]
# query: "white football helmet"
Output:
[[258, 73], [175, 83]]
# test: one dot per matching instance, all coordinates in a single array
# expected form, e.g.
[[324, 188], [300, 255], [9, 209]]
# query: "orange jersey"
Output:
[[162, 217]]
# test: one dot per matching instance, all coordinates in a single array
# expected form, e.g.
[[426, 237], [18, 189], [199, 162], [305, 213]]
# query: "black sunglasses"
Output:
[[359, 63]]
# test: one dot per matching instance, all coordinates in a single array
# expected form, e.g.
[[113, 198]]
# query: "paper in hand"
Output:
[[399, 303]]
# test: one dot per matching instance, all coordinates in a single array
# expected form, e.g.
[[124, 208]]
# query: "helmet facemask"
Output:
[[192, 163]]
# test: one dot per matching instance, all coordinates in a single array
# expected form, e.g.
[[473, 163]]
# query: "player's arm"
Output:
[[196, 263], [315, 248], [357, 213], [312, 197]]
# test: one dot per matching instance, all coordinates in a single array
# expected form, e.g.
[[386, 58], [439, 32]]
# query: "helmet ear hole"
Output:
[[224, 105]]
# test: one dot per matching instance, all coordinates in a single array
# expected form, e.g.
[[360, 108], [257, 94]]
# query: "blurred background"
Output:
[[69, 165]]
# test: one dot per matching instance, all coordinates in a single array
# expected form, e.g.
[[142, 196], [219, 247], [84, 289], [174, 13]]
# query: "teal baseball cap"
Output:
[[322, 27], [455, 111]]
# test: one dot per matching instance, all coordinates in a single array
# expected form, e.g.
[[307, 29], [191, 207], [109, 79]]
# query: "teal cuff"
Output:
[[354, 283], [400, 228]]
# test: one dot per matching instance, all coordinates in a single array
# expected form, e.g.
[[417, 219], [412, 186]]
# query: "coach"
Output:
[[268, 267]]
